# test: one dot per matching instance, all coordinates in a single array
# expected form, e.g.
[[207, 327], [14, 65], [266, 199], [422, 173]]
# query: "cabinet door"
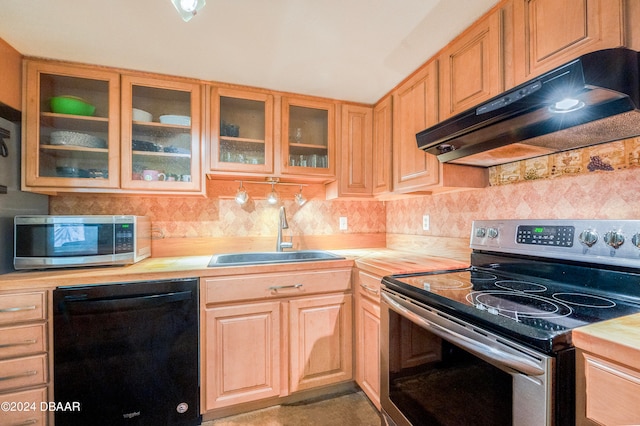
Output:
[[320, 330], [241, 354], [356, 168], [161, 132], [415, 107], [382, 146], [71, 148], [368, 347], [308, 137], [10, 93], [471, 67], [242, 131], [549, 33]]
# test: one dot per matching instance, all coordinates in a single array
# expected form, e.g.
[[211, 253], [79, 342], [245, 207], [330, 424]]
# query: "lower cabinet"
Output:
[[24, 364], [368, 335], [607, 392], [268, 335], [243, 353]]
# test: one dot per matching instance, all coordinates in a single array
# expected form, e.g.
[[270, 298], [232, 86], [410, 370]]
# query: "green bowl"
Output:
[[71, 105]]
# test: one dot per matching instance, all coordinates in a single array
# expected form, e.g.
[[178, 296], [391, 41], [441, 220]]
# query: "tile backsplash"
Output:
[[557, 186], [175, 217]]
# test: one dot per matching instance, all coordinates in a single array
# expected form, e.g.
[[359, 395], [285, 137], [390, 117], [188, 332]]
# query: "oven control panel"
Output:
[[545, 235], [612, 242]]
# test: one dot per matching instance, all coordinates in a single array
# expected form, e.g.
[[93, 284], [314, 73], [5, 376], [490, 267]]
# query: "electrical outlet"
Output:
[[343, 223], [425, 222]]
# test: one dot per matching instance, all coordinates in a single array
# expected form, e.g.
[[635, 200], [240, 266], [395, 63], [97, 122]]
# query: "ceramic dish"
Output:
[[181, 120], [71, 105], [141, 115], [63, 137]]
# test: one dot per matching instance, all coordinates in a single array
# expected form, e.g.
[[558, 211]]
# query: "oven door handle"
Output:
[[483, 351]]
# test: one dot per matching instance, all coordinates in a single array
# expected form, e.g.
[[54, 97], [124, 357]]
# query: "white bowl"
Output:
[[141, 115], [181, 120]]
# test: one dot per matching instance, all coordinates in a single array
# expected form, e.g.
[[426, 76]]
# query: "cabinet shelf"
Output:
[[161, 154], [73, 122], [304, 146], [233, 139], [78, 149]]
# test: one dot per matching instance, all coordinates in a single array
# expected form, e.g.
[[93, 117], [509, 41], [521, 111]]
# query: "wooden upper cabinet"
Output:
[[11, 87], [549, 33], [471, 67], [382, 145], [241, 132], [160, 149], [308, 145], [65, 151], [355, 169], [415, 107]]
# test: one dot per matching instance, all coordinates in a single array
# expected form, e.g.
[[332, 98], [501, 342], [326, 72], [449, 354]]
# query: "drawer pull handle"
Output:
[[284, 287], [369, 289], [24, 343], [18, 309], [18, 376]]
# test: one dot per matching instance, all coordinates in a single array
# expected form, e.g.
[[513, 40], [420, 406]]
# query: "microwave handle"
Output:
[[477, 348]]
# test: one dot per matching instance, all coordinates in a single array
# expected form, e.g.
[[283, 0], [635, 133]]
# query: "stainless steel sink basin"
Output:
[[266, 257]]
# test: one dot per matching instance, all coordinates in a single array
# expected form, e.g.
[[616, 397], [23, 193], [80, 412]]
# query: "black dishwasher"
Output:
[[127, 354]]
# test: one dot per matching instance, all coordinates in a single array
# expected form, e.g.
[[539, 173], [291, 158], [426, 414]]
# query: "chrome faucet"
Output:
[[282, 224]]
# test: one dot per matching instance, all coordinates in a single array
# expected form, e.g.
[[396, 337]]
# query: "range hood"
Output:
[[590, 100]]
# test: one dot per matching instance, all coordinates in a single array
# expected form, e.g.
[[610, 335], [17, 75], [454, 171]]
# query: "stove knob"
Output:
[[492, 233], [635, 240], [614, 239], [481, 232], [588, 237]]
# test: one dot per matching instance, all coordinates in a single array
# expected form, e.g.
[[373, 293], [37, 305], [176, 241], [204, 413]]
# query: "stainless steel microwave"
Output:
[[44, 241]]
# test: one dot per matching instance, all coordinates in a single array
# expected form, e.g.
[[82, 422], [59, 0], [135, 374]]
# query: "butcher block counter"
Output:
[[379, 261]]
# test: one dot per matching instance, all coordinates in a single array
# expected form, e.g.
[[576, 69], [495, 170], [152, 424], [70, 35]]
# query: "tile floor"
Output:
[[352, 409]]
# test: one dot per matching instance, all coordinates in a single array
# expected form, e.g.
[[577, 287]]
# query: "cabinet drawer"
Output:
[[22, 372], [21, 307], [369, 285], [23, 340], [266, 286], [25, 408]]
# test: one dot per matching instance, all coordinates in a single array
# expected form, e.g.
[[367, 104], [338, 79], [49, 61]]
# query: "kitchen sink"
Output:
[[266, 257]]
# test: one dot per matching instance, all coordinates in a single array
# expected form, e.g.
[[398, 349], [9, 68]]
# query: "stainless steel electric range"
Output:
[[491, 344]]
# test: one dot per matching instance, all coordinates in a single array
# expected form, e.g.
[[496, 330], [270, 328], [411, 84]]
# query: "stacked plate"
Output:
[[63, 137], [180, 120]]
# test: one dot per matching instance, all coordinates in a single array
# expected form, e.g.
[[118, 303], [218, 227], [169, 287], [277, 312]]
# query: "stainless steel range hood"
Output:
[[590, 100]]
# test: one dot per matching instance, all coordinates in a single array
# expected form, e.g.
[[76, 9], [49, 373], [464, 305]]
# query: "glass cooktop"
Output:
[[534, 310]]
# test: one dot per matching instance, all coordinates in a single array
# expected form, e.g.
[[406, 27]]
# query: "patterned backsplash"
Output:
[[557, 186]]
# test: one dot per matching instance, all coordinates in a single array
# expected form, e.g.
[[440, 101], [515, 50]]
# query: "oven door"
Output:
[[439, 370]]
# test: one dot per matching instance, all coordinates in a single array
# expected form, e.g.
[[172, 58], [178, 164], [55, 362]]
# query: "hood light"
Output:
[[566, 105]]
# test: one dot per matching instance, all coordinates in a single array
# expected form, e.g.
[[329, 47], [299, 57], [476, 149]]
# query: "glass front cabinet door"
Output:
[[242, 131], [308, 137], [161, 131], [71, 136]]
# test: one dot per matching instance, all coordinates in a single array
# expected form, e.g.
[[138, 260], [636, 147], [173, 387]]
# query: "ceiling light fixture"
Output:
[[188, 8]]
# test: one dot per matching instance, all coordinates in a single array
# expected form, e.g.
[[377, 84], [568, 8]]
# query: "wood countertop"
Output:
[[379, 261], [617, 339]]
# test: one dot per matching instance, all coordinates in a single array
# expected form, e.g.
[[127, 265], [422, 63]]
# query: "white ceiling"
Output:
[[353, 50]]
